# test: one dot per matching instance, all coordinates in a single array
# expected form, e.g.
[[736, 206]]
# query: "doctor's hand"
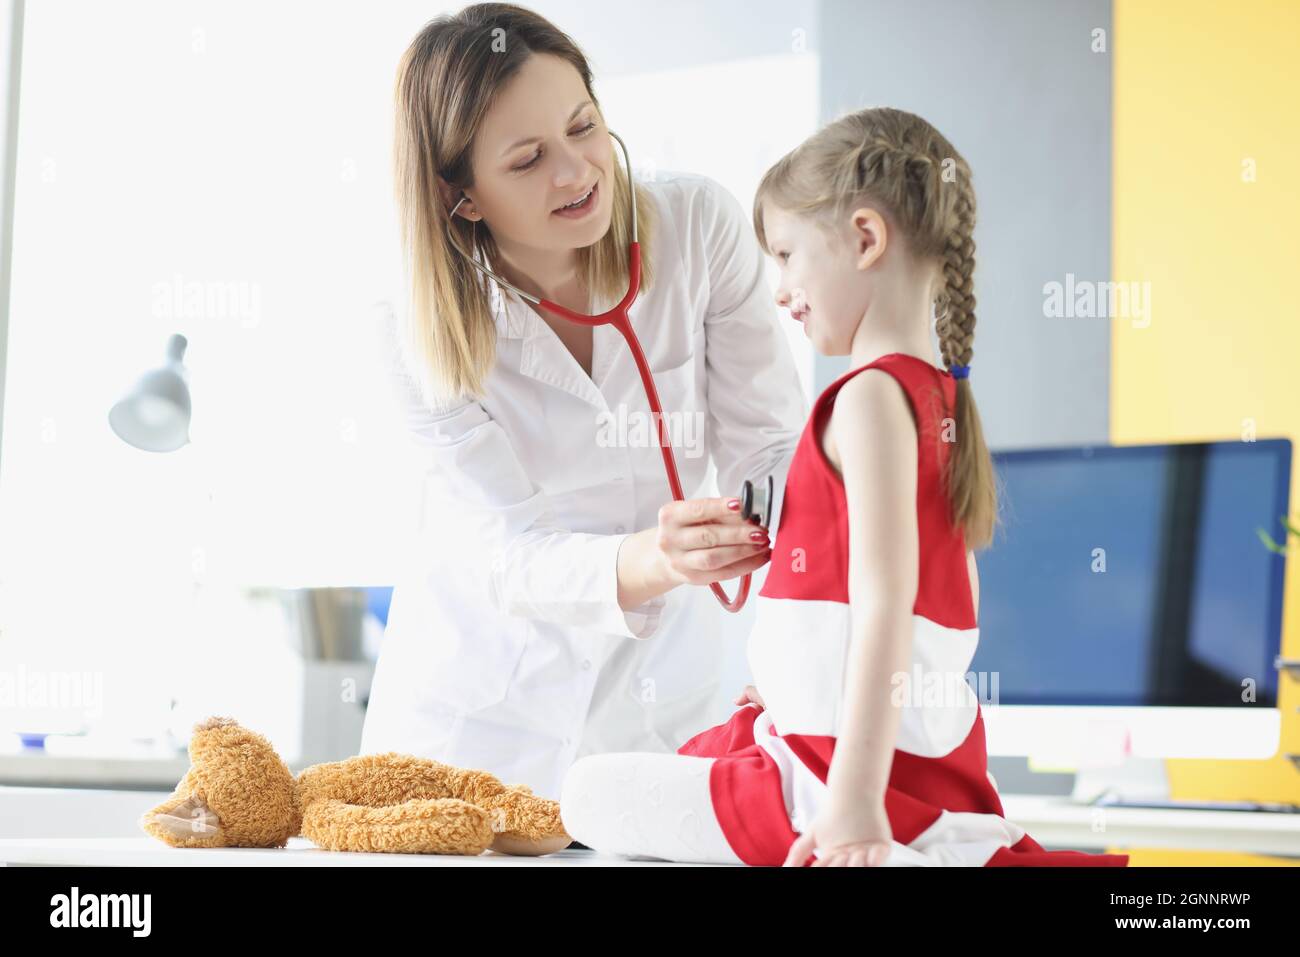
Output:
[[704, 540]]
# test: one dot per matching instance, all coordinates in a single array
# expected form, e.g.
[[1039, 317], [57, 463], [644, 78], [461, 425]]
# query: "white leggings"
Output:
[[644, 805]]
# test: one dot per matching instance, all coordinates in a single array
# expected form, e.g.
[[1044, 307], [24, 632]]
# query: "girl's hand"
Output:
[[845, 834], [750, 694], [702, 541]]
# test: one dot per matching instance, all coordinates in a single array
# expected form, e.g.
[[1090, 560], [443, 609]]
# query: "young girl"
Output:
[[845, 752]]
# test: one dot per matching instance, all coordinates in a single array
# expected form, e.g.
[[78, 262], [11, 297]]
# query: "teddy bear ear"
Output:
[[188, 821], [215, 721]]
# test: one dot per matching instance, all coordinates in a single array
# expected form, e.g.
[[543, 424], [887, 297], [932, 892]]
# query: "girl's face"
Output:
[[822, 282], [542, 145]]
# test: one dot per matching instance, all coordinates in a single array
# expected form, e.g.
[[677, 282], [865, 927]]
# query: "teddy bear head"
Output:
[[237, 793]]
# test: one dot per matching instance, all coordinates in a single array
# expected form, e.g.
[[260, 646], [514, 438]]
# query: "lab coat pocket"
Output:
[[684, 658], [681, 353], [464, 657], [680, 389], [473, 671]]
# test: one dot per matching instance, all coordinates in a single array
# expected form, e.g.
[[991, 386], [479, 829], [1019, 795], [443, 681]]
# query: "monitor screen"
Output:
[[1135, 575]]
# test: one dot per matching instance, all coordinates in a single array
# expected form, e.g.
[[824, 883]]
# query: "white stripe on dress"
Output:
[[798, 652]]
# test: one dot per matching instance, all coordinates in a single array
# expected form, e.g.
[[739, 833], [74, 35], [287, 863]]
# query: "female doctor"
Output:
[[556, 607]]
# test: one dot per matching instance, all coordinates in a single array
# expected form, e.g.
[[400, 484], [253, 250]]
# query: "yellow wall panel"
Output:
[[1206, 95]]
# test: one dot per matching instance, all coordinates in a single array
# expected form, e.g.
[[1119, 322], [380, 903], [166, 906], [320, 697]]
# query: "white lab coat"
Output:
[[506, 649]]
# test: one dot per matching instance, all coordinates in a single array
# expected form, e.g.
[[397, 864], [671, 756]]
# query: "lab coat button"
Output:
[[586, 664], [619, 529]]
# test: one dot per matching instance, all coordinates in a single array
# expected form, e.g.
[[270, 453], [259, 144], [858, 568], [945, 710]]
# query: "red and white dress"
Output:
[[769, 779]]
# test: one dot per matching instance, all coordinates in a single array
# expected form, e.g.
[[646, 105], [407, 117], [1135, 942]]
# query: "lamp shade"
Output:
[[155, 414]]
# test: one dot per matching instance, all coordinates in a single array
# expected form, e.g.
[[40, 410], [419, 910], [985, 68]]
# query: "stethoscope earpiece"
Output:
[[463, 198]]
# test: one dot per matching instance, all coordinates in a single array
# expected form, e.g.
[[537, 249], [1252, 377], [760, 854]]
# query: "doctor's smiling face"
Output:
[[541, 165], [497, 126]]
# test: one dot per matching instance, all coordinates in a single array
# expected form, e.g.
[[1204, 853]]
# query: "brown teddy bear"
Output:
[[239, 793]]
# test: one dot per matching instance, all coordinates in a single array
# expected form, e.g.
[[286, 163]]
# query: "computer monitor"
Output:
[[1128, 602]]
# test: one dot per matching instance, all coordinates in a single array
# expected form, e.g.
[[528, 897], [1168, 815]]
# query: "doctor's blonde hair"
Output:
[[906, 167], [447, 80]]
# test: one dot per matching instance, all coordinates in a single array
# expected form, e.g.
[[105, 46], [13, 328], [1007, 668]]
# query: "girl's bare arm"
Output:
[[875, 439]]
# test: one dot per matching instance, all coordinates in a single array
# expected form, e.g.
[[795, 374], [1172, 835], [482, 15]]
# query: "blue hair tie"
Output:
[[960, 372]]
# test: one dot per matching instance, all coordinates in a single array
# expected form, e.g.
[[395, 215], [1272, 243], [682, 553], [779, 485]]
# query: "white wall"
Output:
[[11, 15]]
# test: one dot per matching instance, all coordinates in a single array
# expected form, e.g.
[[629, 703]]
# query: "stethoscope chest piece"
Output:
[[756, 502]]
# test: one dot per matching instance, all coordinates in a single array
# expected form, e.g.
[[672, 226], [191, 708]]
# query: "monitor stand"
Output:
[[1135, 779]]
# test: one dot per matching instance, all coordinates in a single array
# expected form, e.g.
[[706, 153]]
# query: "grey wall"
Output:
[[1015, 86]]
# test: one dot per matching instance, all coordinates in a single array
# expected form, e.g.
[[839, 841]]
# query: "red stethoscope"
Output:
[[755, 501]]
